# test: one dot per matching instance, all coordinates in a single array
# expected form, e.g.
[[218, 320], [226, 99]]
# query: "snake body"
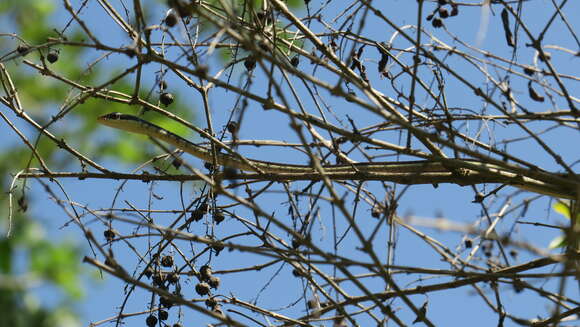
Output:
[[137, 125], [459, 167]]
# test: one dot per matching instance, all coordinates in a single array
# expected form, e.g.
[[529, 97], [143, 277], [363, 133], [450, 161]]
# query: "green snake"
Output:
[[137, 125]]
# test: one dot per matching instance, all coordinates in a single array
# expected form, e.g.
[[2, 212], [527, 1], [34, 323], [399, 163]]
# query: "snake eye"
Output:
[[112, 116]]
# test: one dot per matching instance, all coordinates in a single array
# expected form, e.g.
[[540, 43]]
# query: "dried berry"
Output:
[[514, 253], [165, 302], [454, 10], [22, 48], [214, 282], [250, 63], [158, 279], [217, 247], [533, 94], [173, 278], [468, 243], [148, 272], [295, 61], [437, 23], [166, 98], [210, 303], [197, 214], [52, 56], [529, 70], [183, 7], [218, 217], [167, 261], [479, 197], [171, 18], [151, 321], [163, 314], [202, 288], [205, 272], [232, 127], [109, 235], [443, 13], [297, 272]]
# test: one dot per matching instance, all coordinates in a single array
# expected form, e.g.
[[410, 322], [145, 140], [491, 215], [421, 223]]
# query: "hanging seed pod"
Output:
[[232, 127], [171, 18], [529, 70], [443, 13], [210, 303], [165, 302], [214, 282], [295, 61], [109, 235], [22, 48], [183, 7], [454, 10], [148, 272], [163, 315], [468, 243], [167, 261], [205, 272], [151, 321], [202, 288], [437, 23], [250, 63], [218, 217], [533, 94], [166, 98], [52, 56], [506, 28]]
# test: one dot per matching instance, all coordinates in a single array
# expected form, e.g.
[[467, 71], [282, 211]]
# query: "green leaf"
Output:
[[562, 208], [558, 242]]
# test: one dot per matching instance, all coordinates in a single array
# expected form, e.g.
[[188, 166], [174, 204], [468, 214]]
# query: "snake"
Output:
[[134, 124]]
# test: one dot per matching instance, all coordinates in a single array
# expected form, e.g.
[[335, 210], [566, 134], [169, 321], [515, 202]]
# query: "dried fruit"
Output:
[[173, 277], [218, 217], [165, 302], [529, 71], [166, 98], [437, 23], [250, 63], [468, 243], [22, 48], [151, 321], [163, 314], [171, 18], [214, 282], [109, 235], [533, 94], [210, 303], [232, 127], [443, 13], [295, 61], [454, 10], [167, 261], [52, 56], [202, 288], [148, 272], [205, 272]]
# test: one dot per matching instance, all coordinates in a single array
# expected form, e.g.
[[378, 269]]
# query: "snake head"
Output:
[[122, 121]]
